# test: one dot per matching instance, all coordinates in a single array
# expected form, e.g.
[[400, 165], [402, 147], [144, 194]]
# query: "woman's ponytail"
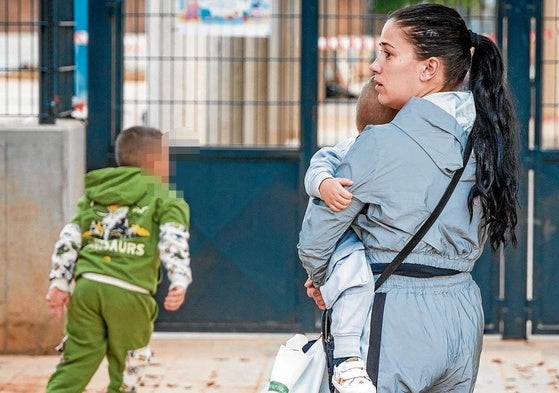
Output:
[[435, 30], [495, 143]]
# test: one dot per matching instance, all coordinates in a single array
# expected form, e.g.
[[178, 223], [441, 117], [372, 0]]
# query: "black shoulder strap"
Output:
[[391, 268]]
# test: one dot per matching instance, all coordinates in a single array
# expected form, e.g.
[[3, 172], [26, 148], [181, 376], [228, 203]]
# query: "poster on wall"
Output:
[[231, 18]]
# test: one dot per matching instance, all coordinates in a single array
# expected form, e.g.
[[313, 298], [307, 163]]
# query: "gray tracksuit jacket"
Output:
[[400, 171]]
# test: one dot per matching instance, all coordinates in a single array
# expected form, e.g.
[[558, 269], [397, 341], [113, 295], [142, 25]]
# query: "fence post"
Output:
[[517, 58], [105, 80], [309, 108], [56, 58]]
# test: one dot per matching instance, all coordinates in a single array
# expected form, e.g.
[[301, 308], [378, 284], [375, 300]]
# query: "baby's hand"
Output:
[[57, 300], [333, 192], [174, 298]]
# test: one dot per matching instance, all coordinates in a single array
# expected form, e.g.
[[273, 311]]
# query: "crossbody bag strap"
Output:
[[398, 259]]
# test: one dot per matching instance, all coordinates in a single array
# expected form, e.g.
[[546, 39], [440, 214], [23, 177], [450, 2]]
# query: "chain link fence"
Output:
[[19, 58], [211, 83]]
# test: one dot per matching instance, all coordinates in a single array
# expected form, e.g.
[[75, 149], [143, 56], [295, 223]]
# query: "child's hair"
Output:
[[369, 110], [439, 31], [135, 144]]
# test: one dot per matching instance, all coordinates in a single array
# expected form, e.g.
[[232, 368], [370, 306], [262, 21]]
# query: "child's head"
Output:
[[369, 109], [143, 147]]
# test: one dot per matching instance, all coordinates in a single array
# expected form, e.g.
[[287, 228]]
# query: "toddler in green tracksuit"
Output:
[[127, 223]]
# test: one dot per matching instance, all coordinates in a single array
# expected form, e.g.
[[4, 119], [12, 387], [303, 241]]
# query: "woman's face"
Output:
[[397, 71]]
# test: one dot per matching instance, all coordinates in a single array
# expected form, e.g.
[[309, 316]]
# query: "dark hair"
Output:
[[439, 31], [134, 144]]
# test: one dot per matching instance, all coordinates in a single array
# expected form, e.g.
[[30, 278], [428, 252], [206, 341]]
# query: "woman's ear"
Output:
[[430, 69]]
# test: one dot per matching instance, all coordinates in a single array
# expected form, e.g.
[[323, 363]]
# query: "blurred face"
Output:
[[158, 161], [397, 71]]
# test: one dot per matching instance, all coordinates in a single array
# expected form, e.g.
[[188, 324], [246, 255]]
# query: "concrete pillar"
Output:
[[41, 179]]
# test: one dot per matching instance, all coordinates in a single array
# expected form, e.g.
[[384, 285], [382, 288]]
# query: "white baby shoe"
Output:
[[351, 376]]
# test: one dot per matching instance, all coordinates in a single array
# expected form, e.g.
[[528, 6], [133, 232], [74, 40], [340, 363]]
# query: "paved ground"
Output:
[[241, 363]]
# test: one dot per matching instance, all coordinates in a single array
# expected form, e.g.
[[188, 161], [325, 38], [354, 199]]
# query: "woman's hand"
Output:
[[315, 294]]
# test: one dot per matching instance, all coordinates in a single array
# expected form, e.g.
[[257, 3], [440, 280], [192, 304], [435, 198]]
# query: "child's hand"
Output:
[[57, 300], [332, 192], [315, 294], [174, 298]]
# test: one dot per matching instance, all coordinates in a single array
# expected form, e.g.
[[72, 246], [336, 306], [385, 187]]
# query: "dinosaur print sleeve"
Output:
[[64, 257], [175, 254]]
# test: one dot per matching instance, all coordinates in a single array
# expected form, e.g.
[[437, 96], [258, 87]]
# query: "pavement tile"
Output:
[[241, 363]]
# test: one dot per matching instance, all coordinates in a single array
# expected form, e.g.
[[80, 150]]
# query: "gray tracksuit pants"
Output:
[[425, 335]]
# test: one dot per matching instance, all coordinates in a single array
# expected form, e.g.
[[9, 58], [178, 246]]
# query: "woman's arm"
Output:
[[322, 228], [320, 231]]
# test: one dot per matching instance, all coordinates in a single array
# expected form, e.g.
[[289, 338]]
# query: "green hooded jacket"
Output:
[[119, 217]]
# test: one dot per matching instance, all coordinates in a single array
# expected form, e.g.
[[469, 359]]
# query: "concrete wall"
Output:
[[41, 178]]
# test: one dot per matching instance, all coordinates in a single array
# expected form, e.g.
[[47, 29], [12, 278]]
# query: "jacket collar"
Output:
[[436, 130]]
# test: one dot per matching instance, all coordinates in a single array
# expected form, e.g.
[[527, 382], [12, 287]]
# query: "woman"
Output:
[[426, 326]]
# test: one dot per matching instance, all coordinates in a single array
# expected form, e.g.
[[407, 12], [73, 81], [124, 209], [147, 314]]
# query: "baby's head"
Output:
[[143, 147], [369, 109]]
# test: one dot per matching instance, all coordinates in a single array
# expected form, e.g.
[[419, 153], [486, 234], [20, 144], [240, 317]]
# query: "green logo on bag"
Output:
[[277, 387]]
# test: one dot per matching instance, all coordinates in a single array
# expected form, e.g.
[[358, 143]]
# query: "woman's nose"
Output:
[[374, 67]]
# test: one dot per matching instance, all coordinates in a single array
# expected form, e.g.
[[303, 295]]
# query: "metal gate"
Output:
[[246, 110], [543, 164], [228, 93]]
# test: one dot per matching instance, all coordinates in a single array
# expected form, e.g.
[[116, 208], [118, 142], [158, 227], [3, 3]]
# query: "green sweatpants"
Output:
[[103, 320]]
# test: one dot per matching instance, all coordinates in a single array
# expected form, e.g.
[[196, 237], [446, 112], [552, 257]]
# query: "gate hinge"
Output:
[[500, 304], [530, 309], [529, 159], [520, 7], [113, 6]]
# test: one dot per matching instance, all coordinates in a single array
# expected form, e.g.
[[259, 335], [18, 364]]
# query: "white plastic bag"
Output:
[[295, 371]]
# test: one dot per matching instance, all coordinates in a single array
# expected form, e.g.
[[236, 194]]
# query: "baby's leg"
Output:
[[349, 314], [352, 298], [349, 319]]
